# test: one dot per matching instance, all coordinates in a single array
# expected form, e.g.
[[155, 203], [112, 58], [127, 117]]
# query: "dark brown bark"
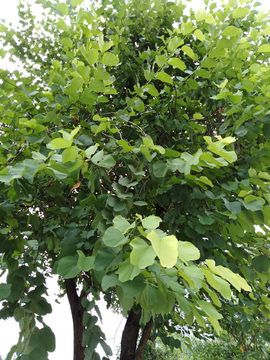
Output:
[[77, 311], [145, 336], [130, 336]]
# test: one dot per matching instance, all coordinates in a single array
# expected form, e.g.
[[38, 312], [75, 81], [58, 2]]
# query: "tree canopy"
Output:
[[135, 162]]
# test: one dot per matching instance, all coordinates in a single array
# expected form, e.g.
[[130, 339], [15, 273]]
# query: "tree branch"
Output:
[[145, 336]]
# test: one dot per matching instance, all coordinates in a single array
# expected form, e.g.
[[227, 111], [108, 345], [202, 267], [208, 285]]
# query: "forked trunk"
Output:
[[129, 349]]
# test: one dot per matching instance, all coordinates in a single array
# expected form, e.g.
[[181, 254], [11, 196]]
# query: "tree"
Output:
[[135, 163]]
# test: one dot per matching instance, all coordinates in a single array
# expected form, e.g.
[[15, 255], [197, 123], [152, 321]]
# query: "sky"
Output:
[[60, 319]]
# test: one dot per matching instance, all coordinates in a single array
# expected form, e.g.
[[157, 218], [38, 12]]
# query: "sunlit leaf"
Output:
[[151, 222], [187, 251], [162, 76], [142, 254], [110, 59], [61, 143], [187, 49], [177, 63], [165, 248]]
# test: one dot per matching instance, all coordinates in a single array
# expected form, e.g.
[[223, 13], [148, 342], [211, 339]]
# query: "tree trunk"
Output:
[[77, 311], [130, 337]]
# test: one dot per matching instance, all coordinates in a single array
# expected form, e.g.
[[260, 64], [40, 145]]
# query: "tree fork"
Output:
[[143, 341], [77, 311], [130, 337]]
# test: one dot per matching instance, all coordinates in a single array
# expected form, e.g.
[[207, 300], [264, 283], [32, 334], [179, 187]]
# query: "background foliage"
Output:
[[223, 349]]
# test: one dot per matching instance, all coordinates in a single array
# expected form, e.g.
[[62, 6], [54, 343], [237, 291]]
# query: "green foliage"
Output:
[[135, 159], [224, 349], [220, 349]]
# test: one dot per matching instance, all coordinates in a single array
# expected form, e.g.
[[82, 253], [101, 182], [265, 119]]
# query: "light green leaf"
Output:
[[149, 75], [101, 127], [206, 181], [91, 150], [218, 283], [97, 85], [209, 309], [127, 271], [106, 161], [101, 41], [125, 146], [30, 167], [165, 248], [113, 237], [91, 56], [63, 8], [38, 156], [231, 31], [138, 105], [110, 59], [252, 172], [122, 224], [161, 60], [267, 30], [61, 25], [101, 74], [218, 53], [67, 42], [74, 3], [142, 254], [85, 263], [203, 73], [194, 272], [70, 91], [264, 48], [215, 325], [77, 83], [60, 143], [187, 50], [151, 222], [187, 251], [264, 175], [210, 19], [144, 149], [240, 12], [149, 143], [198, 116], [162, 76], [200, 15], [174, 43], [57, 79], [254, 205], [69, 154], [209, 63], [199, 35], [28, 123], [176, 62], [142, 203], [151, 90], [236, 280]]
